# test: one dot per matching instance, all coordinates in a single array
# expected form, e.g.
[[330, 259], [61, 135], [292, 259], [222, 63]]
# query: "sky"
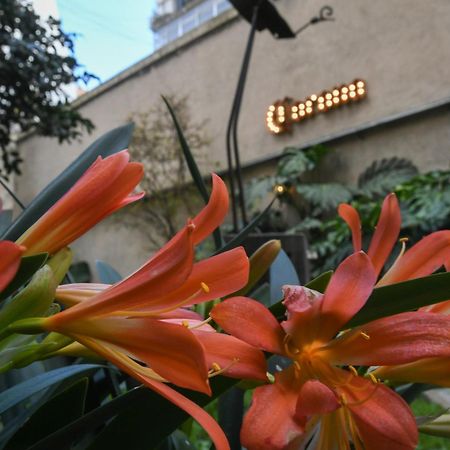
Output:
[[113, 34]]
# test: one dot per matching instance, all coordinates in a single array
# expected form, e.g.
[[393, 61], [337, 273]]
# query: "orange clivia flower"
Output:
[[320, 402], [105, 187], [422, 259], [143, 320], [10, 255]]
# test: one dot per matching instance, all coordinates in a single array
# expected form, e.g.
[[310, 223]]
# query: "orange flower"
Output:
[[10, 255], [422, 259], [142, 317], [321, 396], [103, 188]]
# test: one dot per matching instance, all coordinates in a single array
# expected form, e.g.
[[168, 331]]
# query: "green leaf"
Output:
[[382, 176], [240, 237], [106, 273], [320, 283], [26, 389], [325, 196], [29, 265], [260, 262], [192, 165], [32, 301], [108, 144], [406, 296], [60, 410]]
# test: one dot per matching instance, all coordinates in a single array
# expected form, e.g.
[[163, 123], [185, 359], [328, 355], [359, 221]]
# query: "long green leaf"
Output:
[[401, 297], [240, 237], [23, 390], [49, 417], [29, 265], [192, 166], [108, 144]]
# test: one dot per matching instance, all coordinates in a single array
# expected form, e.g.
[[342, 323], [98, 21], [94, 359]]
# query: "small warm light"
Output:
[[352, 94], [270, 114], [279, 189], [301, 106], [272, 108], [281, 119], [344, 90], [313, 97], [336, 92], [344, 97], [336, 100], [309, 110], [329, 103], [352, 87], [308, 103], [361, 91], [321, 106], [360, 84], [321, 100], [302, 113], [328, 96], [294, 108], [294, 116]]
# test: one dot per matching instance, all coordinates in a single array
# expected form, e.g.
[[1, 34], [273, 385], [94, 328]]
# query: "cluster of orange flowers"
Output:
[[145, 326]]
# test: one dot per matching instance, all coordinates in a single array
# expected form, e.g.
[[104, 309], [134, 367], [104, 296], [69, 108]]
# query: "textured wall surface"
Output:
[[400, 47]]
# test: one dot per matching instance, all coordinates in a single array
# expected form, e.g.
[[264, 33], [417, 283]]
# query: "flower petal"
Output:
[[223, 274], [386, 232], [351, 218], [392, 340], [422, 259], [270, 423], [242, 360], [172, 351], [102, 189], [251, 322], [71, 294], [164, 272], [195, 411], [10, 255], [428, 370], [383, 419], [346, 293], [316, 398], [213, 214]]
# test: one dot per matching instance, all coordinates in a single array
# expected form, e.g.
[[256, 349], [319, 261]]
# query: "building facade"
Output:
[[400, 48]]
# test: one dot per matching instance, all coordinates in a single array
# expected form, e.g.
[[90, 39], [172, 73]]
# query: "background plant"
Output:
[[170, 194]]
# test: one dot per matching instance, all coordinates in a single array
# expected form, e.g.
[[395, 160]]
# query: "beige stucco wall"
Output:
[[400, 47]]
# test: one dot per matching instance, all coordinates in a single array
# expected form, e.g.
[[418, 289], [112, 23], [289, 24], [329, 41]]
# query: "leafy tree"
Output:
[[170, 195], [36, 65]]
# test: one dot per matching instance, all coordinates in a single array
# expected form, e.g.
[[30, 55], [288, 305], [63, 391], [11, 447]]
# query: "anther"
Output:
[[200, 324], [185, 323], [353, 370], [403, 240], [373, 378], [216, 367], [217, 370], [364, 335], [205, 287]]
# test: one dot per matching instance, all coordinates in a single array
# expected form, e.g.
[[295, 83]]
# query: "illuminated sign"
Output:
[[283, 113]]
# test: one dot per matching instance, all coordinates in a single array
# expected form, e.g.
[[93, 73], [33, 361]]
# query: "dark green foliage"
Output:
[[36, 63], [382, 176]]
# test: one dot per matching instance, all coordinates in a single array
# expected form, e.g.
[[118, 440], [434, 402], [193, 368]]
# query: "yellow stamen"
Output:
[[373, 378], [204, 287], [404, 240], [364, 335], [217, 370], [185, 323], [200, 324], [353, 370]]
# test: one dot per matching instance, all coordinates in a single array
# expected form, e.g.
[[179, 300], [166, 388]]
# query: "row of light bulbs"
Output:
[[283, 113]]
